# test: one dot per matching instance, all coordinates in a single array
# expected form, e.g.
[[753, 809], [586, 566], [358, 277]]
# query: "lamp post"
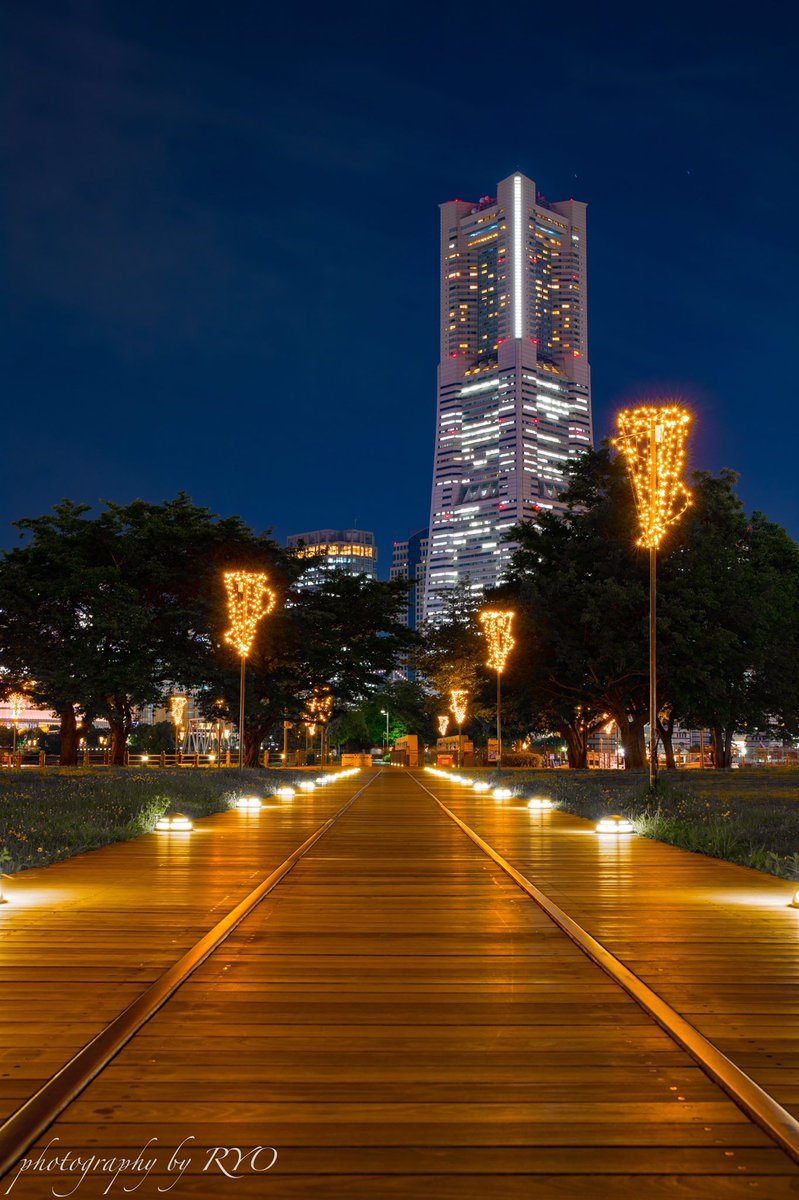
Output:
[[458, 709], [384, 711], [653, 441], [249, 599], [497, 629]]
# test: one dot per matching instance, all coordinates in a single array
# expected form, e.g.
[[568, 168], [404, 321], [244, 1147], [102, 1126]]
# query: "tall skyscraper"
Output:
[[514, 384]]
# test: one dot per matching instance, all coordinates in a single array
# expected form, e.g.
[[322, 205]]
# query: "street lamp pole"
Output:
[[384, 711]]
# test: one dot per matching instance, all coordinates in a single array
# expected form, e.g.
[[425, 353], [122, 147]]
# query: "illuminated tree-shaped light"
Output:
[[653, 440], [320, 710], [177, 707], [459, 705], [458, 708], [497, 626], [17, 704], [443, 724], [249, 599], [497, 630]]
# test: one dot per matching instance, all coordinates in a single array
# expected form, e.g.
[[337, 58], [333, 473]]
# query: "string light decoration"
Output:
[[458, 708], [17, 704], [459, 705], [311, 727], [248, 600], [320, 710], [443, 725], [653, 441], [177, 707], [497, 629]]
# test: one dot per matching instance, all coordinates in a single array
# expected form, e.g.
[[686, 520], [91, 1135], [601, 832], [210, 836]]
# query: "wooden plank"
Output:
[[285, 1038]]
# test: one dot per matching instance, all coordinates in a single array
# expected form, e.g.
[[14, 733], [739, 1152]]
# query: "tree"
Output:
[[102, 615], [581, 588], [343, 636], [731, 608]]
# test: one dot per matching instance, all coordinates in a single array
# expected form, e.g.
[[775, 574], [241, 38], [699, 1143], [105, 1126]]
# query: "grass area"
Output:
[[49, 815], [749, 816]]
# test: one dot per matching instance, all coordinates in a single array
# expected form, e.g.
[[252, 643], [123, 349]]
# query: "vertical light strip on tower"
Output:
[[518, 276]]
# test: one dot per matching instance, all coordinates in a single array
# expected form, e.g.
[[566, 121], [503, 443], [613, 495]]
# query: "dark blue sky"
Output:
[[221, 237]]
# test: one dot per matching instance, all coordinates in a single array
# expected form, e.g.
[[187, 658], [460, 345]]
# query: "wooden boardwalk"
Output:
[[399, 1019], [718, 942], [82, 938]]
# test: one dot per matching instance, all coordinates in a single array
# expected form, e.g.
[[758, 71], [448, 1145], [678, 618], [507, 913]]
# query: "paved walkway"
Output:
[[399, 1019]]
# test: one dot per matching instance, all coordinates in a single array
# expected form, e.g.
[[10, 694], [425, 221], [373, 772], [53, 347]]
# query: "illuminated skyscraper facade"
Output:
[[350, 550], [514, 383]]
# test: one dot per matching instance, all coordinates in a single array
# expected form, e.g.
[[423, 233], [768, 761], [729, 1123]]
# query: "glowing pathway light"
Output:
[[653, 441], [176, 823], [481, 786], [501, 793], [539, 803], [615, 824], [443, 725], [286, 793], [248, 599], [249, 804], [500, 641]]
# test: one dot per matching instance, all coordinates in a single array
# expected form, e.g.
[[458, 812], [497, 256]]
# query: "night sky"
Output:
[[221, 238]]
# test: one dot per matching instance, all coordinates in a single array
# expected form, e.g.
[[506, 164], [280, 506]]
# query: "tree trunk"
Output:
[[120, 718], [722, 748], [666, 733], [119, 737], [68, 756], [252, 745], [576, 747], [632, 740]]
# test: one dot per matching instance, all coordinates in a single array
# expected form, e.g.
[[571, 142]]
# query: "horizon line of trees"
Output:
[[728, 621], [102, 614]]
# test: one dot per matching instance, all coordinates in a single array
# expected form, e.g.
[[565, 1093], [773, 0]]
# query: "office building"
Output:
[[514, 384], [410, 563], [351, 550]]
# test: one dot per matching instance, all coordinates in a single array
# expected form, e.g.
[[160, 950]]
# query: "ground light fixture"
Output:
[[286, 792], [307, 786], [615, 824], [501, 793], [176, 823], [539, 802], [482, 786], [249, 803], [795, 901]]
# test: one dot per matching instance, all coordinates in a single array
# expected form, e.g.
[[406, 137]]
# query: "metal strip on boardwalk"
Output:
[[758, 1105], [19, 1132]]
